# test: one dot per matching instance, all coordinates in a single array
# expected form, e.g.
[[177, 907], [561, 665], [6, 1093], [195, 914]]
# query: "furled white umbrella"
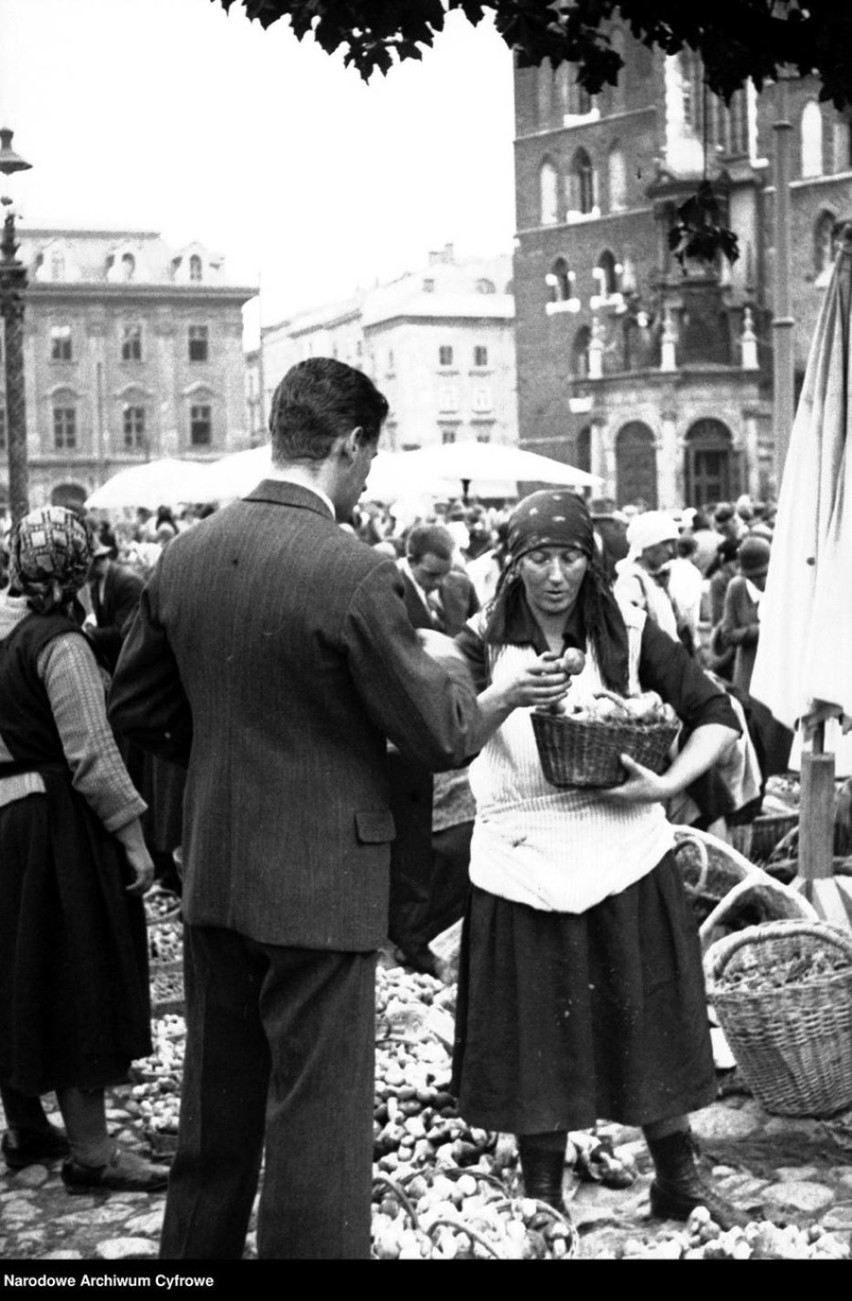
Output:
[[803, 667], [495, 469], [166, 482]]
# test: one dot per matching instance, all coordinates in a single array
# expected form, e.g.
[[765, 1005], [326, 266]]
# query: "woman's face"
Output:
[[552, 577]]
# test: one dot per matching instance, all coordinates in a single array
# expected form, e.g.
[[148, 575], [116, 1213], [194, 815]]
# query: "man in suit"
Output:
[[437, 593], [273, 651], [113, 592]]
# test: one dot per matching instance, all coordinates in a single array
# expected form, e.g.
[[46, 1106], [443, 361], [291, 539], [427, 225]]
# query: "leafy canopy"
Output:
[[738, 40]]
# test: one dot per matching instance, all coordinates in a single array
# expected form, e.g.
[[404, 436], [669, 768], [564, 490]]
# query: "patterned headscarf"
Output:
[[559, 518], [550, 518], [50, 553]]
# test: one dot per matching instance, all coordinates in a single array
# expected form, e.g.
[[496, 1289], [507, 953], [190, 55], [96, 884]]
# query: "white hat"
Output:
[[649, 529]]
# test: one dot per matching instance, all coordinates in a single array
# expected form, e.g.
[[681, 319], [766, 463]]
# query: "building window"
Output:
[[549, 194], [824, 248], [617, 180], [200, 426], [562, 79], [133, 420], [583, 177], [607, 274], [445, 355], [429, 286], [482, 399], [448, 435], [128, 266], [480, 356], [448, 398], [131, 343], [580, 353], [199, 339], [196, 271], [559, 281], [486, 287], [483, 435], [64, 428], [60, 343], [812, 139], [842, 147]]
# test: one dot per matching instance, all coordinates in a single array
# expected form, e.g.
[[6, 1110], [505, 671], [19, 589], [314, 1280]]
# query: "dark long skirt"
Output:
[[566, 1019], [74, 995]]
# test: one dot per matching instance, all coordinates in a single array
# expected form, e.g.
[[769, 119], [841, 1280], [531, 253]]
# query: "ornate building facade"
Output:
[[658, 378], [133, 351], [438, 342]]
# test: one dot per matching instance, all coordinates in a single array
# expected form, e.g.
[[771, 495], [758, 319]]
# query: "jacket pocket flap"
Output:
[[375, 826]]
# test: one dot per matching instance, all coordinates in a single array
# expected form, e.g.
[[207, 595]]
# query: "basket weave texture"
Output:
[[793, 1043], [586, 752]]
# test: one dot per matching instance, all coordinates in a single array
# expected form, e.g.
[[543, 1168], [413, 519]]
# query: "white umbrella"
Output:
[[803, 666], [392, 475], [235, 475], [495, 469], [166, 482]]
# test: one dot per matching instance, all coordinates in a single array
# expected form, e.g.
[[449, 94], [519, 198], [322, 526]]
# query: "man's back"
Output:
[[297, 659]]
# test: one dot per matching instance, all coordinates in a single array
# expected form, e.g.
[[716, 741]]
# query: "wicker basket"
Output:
[[587, 753], [793, 1043]]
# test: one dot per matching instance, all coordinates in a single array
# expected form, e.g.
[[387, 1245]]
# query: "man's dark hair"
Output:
[[318, 400], [429, 539]]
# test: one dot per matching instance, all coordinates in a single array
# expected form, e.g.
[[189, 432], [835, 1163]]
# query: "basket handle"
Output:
[[719, 954]]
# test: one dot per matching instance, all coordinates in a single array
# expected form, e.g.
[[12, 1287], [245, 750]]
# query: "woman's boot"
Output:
[[679, 1186], [543, 1167]]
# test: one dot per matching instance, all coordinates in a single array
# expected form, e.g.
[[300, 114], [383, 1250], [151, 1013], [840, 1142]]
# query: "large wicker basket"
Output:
[[792, 1042], [587, 752]]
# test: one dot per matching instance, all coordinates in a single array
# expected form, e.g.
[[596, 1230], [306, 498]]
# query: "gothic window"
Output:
[[607, 274], [549, 193], [583, 178], [842, 146], [824, 247], [709, 470], [811, 128], [559, 281], [196, 271], [635, 465], [617, 179], [128, 266], [580, 353], [544, 93]]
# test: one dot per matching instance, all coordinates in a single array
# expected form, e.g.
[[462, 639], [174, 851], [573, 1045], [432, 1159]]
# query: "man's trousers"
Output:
[[280, 1050]]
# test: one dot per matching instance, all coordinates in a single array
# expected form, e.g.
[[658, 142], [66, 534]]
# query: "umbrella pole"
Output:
[[816, 819]]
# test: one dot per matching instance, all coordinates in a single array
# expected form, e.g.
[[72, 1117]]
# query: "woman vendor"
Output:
[[581, 994], [74, 998]]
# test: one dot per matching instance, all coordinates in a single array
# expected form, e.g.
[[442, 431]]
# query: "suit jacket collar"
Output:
[[281, 493]]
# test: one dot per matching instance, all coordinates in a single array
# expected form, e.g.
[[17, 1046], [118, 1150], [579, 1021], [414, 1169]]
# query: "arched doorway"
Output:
[[636, 465], [70, 495], [709, 472]]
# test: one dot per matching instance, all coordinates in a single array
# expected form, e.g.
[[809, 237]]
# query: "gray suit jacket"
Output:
[[273, 652]]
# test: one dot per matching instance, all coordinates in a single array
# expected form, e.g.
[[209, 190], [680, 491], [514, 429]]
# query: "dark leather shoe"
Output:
[[125, 1173], [23, 1147]]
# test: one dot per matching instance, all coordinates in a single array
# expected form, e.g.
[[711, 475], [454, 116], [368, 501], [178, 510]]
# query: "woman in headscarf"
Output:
[[74, 996], [643, 576], [581, 993]]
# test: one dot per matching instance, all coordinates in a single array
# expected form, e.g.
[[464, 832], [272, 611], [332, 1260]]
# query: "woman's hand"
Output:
[[642, 786], [539, 684], [142, 866]]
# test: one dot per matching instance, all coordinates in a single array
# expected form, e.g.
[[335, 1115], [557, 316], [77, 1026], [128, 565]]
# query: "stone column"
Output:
[[669, 461], [166, 438]]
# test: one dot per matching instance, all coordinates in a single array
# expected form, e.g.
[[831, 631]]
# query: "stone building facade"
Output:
[[133, 351], [658, 378], [438, 342]]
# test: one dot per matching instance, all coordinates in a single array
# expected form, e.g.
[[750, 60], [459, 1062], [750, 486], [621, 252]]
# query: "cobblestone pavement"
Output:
[[799, 1171]]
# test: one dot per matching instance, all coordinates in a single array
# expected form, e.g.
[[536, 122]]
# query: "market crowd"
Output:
[[320, 705]]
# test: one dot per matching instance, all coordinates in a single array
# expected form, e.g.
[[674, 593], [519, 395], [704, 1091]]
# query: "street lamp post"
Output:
[[13, 282]]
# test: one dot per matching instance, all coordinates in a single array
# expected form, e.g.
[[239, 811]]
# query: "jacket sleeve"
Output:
[[147, 702], [665, 667], [425, 707], [107, 639]]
